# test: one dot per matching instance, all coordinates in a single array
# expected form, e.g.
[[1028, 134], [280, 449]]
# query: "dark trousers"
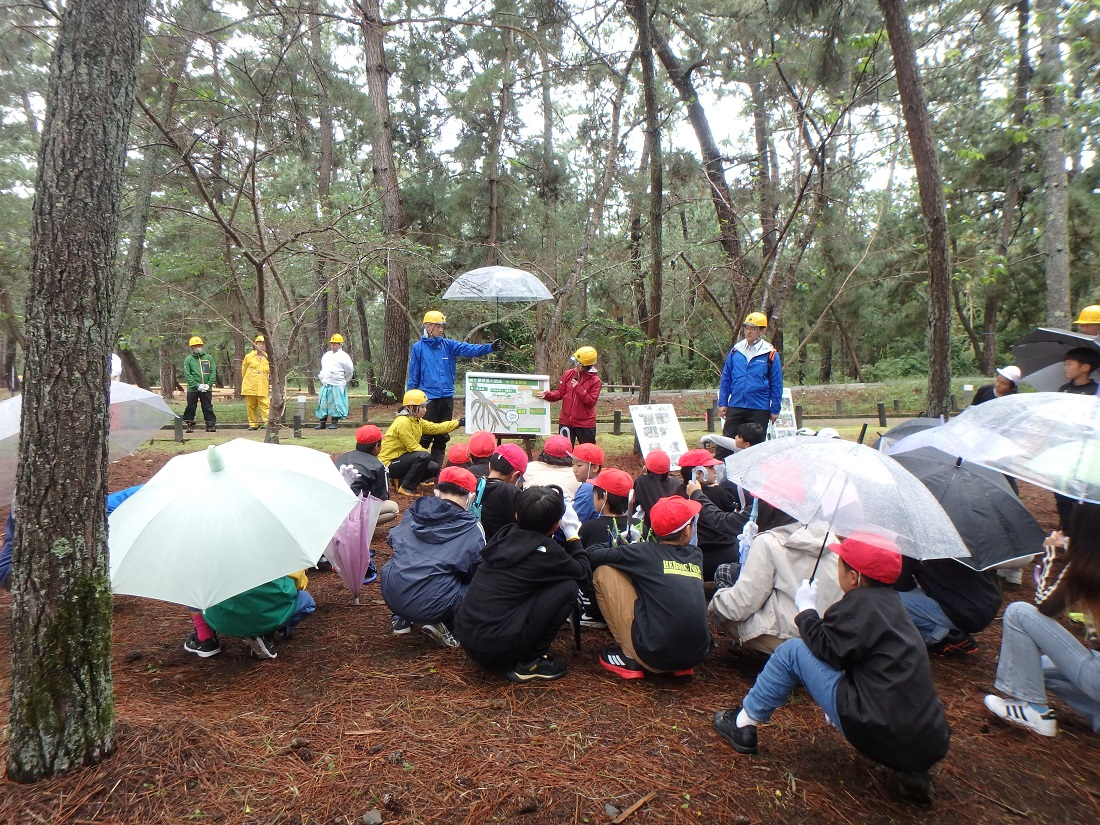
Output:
[[582, 435], [412, 468], [735, 417], [439, 410], [550, 607], [1064, 505], [204, 398]]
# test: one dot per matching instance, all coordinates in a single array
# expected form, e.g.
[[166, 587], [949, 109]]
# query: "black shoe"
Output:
[[955, 643], [189, 426], [915, 787], [621, 665], [211, 647], [332, 426], [545, 668], [743, 739], [321, 423], [211, 429], [263, 647]]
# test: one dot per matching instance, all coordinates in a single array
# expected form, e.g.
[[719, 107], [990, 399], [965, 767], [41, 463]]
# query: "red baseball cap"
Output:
[[368, 434], [588, 452], [556, 446], [459, 476], [697, 458], [875, 556], [672, 514], [458, 454], [482, 444], [614, 481], [657, 461], [514, 455]]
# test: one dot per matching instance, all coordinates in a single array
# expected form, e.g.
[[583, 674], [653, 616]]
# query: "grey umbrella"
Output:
[[1040, 355], [497, 284]]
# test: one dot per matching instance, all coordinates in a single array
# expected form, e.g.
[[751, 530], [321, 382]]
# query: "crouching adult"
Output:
[[408, 463]]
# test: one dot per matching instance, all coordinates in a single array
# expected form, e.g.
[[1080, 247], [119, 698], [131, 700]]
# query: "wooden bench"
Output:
[[630, 388]]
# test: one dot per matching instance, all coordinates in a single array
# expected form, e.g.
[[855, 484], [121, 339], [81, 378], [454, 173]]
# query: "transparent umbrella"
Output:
[[497, 284], [850, 487]]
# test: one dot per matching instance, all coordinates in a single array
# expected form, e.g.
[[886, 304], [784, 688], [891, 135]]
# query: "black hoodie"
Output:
[[515, 564]]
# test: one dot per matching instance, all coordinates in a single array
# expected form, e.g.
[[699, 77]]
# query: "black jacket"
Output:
[[886, 701], [670, 629], [498, 505], [515, 564], [373, 476], [969, 597], [648, 488], [716, 534], [606, 530]]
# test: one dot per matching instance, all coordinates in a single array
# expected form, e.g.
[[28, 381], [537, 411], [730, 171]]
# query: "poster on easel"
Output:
[[657, 428], [505, 404], [785, 425]]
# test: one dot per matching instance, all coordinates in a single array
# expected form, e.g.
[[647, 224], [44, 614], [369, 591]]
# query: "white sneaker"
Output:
[[1023, 714], [441, 634]]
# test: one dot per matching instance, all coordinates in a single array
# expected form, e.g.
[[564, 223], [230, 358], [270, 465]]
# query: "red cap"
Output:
[[368, 434], [672, 514], [514, 455], [588, 452], [614, 481], [458, 454], [697, 458], [657, 461], [556, 446], [875, 556], [459, 476], [482, 444]]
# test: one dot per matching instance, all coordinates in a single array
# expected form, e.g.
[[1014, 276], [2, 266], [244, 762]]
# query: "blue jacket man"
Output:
[[752, 381], [432, 371]]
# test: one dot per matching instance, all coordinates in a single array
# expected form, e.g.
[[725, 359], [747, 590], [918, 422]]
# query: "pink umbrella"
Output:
[[349, 550]]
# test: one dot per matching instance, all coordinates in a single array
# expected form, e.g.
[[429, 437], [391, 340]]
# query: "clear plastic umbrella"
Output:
[[213, 524], [850, 487], [497, 284], [1050, 439]]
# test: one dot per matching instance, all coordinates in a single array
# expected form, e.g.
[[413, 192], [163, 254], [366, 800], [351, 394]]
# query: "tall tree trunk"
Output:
[[328, 304], [62, 707], [395, 321], [493, 162], [1052, 141], [550, 180], [765, 185], [918, 126]]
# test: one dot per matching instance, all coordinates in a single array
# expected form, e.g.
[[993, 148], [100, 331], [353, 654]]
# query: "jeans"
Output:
[[792, 665], [303, 606], [927, 615], [1037, 653]]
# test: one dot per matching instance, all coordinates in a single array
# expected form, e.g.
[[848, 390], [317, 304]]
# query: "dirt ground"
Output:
[[352, 724]]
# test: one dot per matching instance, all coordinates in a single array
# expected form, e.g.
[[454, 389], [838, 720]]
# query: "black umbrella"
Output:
[[1040, 355], [895, 434], [993, 523]]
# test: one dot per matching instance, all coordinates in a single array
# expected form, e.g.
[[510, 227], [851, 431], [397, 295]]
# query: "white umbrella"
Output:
[[135, 415], [850, 487], [213, 524], [497, 284]]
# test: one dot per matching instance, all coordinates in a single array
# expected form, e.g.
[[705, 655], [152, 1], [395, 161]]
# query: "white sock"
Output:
[[744, 719]]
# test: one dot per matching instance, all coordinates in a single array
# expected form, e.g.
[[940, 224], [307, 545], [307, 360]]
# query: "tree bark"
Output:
[[918, 126], [1052, 142], [328, 304], [493, 158], [62, 708], [395, 320]]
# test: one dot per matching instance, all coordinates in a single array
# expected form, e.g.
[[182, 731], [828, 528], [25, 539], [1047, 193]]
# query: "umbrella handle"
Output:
[[820, 553]]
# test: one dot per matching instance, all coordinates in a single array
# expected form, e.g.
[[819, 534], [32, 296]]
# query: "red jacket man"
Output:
[[578, 391]]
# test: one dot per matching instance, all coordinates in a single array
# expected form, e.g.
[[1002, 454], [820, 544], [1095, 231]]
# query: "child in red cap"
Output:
[[865, 665], [481, 446], [495, 499], [588, 460], [651, 596], [458, 455], [653, 484], [370, 475], [553, 467], [612, 498]]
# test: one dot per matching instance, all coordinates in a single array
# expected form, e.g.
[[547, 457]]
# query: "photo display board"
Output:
[[657, 428], [505, 404], [785, 424]]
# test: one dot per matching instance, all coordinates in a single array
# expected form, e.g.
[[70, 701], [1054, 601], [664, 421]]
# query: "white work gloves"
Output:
[[805, 598], [571, 523], [349, 473], [204, 387]]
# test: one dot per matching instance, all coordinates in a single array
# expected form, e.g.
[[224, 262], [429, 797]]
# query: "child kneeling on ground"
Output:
[[651, 596], [865, 665], [436, 549], [524, 590]]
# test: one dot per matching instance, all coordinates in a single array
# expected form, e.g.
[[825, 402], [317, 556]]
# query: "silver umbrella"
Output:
[[497, 284]]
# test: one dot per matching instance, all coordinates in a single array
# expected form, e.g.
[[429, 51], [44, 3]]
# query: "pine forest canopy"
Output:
[[311, 167]]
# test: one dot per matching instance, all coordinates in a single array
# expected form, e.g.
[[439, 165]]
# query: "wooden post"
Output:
[[798, 416], [179, 429], [617, 423], [882, 413], [366, 412], [839, 407], [897, 407], [954, 404], [714, 417]]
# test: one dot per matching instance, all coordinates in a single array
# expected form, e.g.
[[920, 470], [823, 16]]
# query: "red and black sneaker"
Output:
[[621, 665], [955, 643]]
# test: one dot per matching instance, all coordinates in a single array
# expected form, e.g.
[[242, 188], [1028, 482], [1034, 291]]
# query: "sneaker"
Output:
[[324, 565], [189, 426], [441, 634], [1023, 714], [253, 429], [400, 626], [405, 492], [915, 787], [621, 665], [545, 668], [955, 643], [204, 650], [687, 671], [742, 740], [263, 647], [211, 429], [372, 573], [593, 620]]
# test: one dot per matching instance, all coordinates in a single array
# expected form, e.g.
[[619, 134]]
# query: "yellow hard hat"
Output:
[[195, 341], [757, 319], [586, 356], [414, 398], [259, 339], [1089, 315], [336, 339], [434, 316]]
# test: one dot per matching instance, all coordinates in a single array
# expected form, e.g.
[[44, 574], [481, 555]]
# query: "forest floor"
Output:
[[351, 724]]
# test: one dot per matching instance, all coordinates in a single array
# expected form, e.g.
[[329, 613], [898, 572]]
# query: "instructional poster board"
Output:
[[657, 428], [505, 404], [785, 424]]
